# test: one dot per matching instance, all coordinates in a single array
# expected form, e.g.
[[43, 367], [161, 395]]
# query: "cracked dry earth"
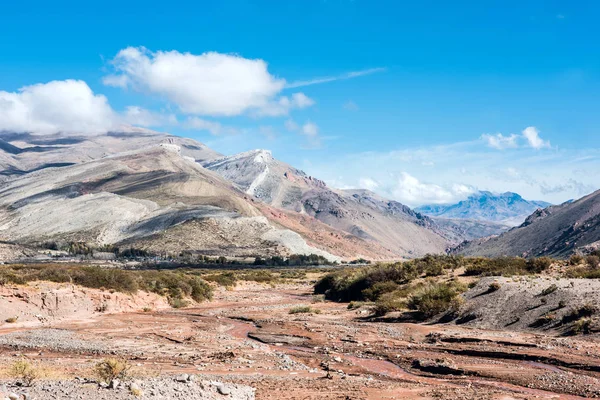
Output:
[[246, 336]]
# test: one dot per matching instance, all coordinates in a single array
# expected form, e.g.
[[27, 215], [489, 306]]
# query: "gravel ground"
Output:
[[164, 388], [50, 339]]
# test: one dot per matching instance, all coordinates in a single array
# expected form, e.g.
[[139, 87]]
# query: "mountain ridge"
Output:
[[507, 208]]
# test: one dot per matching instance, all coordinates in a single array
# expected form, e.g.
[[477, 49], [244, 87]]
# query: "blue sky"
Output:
[[420, 91]]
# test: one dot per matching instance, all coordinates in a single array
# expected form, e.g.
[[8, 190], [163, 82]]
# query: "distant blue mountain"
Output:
[[508, 208]]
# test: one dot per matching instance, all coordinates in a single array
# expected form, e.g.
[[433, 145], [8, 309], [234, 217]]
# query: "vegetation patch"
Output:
[[176, 285], [304, 310], [110, 369]]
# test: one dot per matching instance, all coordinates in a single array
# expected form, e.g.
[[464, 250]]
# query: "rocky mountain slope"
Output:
[[23, 152], [136, 198], [508, 208], [400, 230], [555, 231]]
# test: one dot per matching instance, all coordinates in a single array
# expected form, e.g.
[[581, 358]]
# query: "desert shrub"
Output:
[[583, 273], [147, 309], [24, 371], [318, 298], [575, 259], [304, 310], [354, 283], [582, 326], [592, 261], [549, 290], [379, 288], [226, 279], [292, 274], [389, 302], [167, 283], [505, 266], [177, 302], [355, 305], [436, 298], [585, 311], [110, 369], [260, 276], [537, 265]]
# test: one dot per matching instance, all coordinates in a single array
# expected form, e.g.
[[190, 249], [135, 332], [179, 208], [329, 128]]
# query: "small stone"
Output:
[[114, 384], [13, 396], [222, 389], [182, 378]]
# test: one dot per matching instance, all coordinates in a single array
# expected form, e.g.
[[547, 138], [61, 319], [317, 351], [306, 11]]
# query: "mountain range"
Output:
[[164, 193], [557, 231], [507, 208]]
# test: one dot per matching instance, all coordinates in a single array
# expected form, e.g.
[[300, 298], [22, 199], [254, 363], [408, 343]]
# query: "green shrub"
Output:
[[575, 259], [304, 310], [226, 279], [436, 298], [582, 326], [592, 261], [378, 289], [389, 302], [549, 290], [167, 283], [25, 372], [110, 369]]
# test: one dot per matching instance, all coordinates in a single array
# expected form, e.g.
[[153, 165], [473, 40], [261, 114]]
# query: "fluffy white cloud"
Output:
[[529, 137], [212, 83], [499, 141], [68, 106], [409, 190], [533, 138]]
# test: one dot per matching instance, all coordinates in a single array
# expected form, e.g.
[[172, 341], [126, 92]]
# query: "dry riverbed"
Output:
[[246, 343]]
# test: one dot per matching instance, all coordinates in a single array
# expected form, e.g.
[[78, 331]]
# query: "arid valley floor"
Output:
[[246, 336]]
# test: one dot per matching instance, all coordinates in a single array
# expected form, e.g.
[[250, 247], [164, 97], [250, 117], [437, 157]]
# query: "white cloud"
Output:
[[348, 75], [530, 135], [212, 83], [284, 104], [368, 183], [310, 129], [68, 106], [215, 128], [499, 141], [533, 138], [139, 116], [409, 190]]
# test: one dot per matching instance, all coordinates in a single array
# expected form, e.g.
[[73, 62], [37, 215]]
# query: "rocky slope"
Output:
[[138, 197], [508, 208], [400, 230], [23, 152], [555, 231]]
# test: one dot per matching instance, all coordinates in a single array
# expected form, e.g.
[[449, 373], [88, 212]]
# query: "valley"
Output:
[[251, 336]]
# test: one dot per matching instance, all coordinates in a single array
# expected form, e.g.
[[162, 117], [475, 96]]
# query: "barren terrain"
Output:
[[248, 337]]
